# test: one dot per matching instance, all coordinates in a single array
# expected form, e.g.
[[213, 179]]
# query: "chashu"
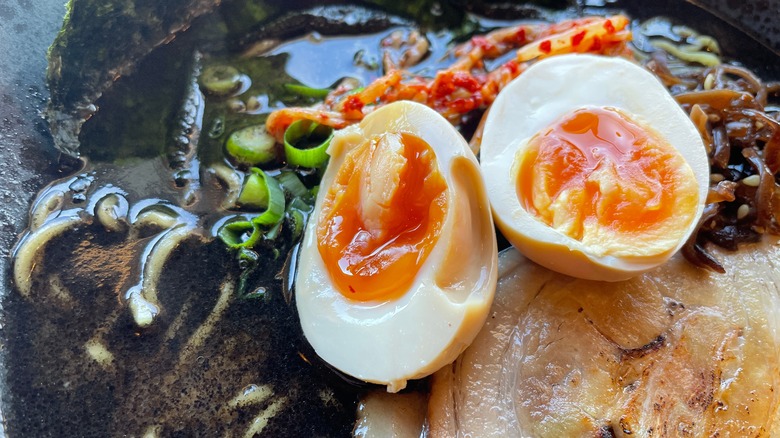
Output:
[[678, 351]]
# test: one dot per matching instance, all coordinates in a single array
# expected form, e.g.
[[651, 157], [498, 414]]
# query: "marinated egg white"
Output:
[[592, 168], [398, 263]]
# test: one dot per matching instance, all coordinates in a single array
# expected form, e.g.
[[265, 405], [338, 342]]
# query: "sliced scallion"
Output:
[[300, 204], [239, 234], [220, 80], [297, 221], [273, 232], [254, 193], [304, 91], [297, 214], [274, 209], [252, 146], [306, 143], [292, 184]]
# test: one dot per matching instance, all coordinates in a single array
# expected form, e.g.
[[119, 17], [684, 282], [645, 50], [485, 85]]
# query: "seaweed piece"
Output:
[[143, 115], [101, 41]]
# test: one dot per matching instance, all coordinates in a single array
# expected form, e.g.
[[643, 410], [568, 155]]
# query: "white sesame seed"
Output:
[[751, 181], [709, 81], [743, 211]]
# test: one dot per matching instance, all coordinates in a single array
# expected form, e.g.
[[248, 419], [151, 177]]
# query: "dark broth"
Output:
[[211, 363]]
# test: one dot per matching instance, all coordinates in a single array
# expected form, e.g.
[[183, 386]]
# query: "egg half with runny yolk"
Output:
[[397, 268], [592, 168]]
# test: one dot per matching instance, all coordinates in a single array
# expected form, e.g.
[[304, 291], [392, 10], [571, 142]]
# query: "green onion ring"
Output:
[[252, 145], [299, 135], [275, 200], [231, 234], [220, 80]]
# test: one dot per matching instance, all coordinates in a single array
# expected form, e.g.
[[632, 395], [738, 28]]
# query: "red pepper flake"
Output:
[[520, 36], [577, 39], [545, 46], [609, 26], [324, 116], [442, 85], [353, 103], [466, 81], [512, 66], [464, 105], [596, 46], [483, 43]]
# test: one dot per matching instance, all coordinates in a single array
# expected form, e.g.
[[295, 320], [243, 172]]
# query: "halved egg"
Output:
[[592, 168], [398, 263]]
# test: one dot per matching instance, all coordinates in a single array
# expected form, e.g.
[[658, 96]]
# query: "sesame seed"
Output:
[[743, 211], [751, 181], [709, 81]]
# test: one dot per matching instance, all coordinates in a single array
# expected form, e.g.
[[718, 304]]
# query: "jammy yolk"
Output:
[[382, 216], [596, 176]]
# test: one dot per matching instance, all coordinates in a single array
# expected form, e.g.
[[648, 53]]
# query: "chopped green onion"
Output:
[[220, 80], [303, 90], [252, 146], [306, 143], [239, 234], [254, 194], [247, 258], [300, 204], [248, 261], [260, 191], [273, 233], [274, 209], [292, 184], [297, 214], [297, 221]]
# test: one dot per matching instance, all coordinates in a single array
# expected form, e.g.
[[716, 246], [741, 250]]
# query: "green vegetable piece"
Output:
[[304, 91], [239, 234], [274, 232], [293, 185], [254, 193], [306, 143], [247, 258], [274, 199], [220, 80], [300, 204], [252, 146], [297, 222]]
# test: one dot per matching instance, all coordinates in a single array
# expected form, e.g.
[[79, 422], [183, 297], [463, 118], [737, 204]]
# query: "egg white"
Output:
[[545, 92], [389, 342]]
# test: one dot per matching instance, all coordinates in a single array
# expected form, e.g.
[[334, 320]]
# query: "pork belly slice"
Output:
[[678, 351]]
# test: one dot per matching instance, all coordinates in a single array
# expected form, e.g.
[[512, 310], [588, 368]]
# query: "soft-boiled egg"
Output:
[[398, 264], [592, 168]]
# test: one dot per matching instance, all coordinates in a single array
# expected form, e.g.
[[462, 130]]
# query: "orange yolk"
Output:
[[382, 216], [597, 169]]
